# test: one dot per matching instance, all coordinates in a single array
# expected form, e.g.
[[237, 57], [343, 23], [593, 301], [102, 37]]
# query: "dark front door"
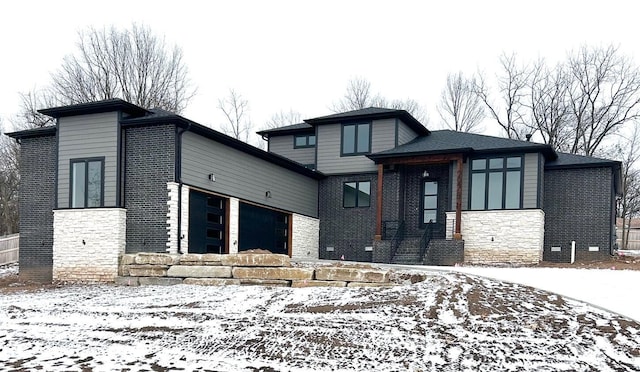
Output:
[[207, 223], [263, 228]]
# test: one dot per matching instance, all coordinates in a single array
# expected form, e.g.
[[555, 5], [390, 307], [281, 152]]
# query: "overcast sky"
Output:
[[299, 55]]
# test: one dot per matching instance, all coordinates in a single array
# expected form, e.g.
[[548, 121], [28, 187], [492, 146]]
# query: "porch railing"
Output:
[[398, 237], [429, 231]]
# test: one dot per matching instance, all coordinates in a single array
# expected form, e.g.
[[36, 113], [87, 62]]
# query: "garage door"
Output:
[[263, 228], [207, 223]]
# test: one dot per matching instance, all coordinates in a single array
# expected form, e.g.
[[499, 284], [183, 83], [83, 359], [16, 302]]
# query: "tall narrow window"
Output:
[[356, 194], [430, 202], [87, 183], [356, 139], [496, 183]]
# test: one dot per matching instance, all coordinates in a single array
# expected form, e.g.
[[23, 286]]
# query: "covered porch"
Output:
[[414, 197]]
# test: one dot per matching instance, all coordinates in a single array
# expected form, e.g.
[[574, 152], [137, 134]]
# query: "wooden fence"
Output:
[[9, 249], [634, 238]]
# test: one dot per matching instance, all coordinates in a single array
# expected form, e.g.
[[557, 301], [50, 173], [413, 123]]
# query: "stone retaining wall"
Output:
[[241, 269]]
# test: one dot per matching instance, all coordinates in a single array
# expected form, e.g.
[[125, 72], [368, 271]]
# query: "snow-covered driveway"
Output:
[[614, 290]]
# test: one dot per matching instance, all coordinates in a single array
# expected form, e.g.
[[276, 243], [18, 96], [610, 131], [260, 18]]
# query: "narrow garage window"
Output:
[[207, 223]]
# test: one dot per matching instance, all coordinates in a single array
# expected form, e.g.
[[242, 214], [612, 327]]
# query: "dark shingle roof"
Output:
[[287, 129], [448, 141], [97, 107], [371, 113], [577, 161], [35, 132]]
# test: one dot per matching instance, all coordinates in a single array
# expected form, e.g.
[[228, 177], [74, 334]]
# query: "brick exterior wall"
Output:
[[88, 243], [347, 230], [578, 206], [38, 159], [149, 166], [304, 237]]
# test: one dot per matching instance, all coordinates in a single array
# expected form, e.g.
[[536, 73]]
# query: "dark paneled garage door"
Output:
[[262, 228]]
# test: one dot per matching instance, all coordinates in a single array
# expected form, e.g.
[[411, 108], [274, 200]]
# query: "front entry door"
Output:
[[429, 201], [207, 223]]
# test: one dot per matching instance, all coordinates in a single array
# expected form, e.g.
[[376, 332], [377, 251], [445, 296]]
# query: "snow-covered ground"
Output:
[[615, 290], [449, 322]]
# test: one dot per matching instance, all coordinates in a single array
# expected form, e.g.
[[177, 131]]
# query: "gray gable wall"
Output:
[[283, 145], [246, 177], [86, 136]]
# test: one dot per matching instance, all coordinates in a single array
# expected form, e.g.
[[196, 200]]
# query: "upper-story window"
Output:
[[87, 183], [356, 139], [304, 140], [496, 183]]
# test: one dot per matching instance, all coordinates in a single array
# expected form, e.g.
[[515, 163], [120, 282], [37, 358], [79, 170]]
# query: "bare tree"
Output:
[[460, 107], [604, 94], [30, 102], [236, 110], [132, 64], [359, 95], [512, 88], [549, 105], [628, 149], [282, 118], [9, 179]]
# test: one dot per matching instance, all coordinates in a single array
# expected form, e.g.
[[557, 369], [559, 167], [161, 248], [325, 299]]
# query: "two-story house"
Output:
[[368, 185]]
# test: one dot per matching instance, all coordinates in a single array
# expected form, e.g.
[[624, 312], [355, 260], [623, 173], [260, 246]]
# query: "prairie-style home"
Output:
[[369, 185]]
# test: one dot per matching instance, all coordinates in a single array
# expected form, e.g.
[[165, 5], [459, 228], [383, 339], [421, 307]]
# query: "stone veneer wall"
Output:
[[87, 243], [234, 224], [304, 237], [172, 218], [242, 269], [501, 236]]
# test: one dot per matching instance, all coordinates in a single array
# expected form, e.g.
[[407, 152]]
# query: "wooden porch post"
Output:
[[378, 235], [458, 235]]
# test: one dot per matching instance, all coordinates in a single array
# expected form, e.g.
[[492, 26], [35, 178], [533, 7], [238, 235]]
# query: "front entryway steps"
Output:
[[408, 252], [440, 252]]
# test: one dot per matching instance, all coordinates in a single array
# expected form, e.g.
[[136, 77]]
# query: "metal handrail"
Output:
[[426, 239], [398, 237]]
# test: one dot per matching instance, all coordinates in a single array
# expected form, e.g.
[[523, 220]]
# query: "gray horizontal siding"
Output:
[[246, 177], [530, 181], [329, 145], [88, 136], [405, 134], [283, 145]]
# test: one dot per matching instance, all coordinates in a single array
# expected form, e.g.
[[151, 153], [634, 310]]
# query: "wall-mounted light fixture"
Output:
[[267, 194], [425, 174], [212, 177]]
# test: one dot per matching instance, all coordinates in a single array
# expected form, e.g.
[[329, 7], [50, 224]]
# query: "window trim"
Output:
[[503, 170], [306, 141], [355, 140], [86, 162], [357, 204]]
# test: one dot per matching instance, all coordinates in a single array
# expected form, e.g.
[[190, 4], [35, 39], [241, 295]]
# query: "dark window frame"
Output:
[[355, 139], [503, 171], [306, 141], [86, 162], [357, 199]]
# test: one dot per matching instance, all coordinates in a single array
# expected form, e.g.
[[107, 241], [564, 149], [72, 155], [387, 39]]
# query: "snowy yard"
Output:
[[448, 322]]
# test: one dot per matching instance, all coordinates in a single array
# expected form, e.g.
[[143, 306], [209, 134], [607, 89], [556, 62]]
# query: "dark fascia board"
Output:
[[95, 108], [403, 115], [285, 132], [380, 157], [35, 132], [224, 139], [547, 152]]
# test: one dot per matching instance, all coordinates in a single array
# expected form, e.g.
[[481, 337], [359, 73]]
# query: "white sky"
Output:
[[299, 55]]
